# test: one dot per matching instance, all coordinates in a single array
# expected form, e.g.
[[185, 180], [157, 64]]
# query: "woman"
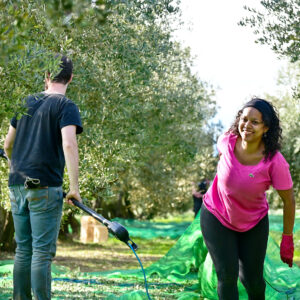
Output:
[[234, 217]]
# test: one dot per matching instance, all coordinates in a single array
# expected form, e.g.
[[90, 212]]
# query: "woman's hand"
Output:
[[287, 243], [287, 249]]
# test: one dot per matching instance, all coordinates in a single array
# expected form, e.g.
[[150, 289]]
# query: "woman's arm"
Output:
[[289, 207], [287, 241]]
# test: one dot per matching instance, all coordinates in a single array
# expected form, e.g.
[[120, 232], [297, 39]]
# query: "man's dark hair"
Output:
[[202, 186], [66, 67]]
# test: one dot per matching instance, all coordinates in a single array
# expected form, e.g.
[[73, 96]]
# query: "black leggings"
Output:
[[236, 254]]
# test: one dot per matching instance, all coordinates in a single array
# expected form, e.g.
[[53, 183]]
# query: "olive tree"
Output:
[[145, 115], [288, 104], [276, 23]]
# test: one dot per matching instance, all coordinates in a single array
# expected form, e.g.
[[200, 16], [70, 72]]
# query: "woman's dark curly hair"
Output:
[[273, 137]]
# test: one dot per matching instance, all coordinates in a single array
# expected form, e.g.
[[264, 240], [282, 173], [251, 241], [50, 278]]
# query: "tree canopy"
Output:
[[288, 104], [145, 115], [277, 24]]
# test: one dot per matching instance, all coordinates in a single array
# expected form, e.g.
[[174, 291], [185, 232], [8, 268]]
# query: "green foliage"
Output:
[[288, 104], [277, 25], [30, 33], [145, 115], [151, 113]]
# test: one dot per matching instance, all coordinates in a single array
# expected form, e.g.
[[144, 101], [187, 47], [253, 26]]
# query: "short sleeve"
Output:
[[69, 115], [280, 173], [18, 115], [14, 122], [222, 143]]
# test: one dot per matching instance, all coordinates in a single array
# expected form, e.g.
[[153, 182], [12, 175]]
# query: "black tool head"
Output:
[[121, 233], [118, 230]]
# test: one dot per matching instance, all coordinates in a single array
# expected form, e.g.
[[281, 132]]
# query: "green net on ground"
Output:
[[150, 230], [186, 272], [174, 230]]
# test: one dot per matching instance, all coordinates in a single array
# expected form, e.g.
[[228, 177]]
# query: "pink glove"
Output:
[[287, 249]]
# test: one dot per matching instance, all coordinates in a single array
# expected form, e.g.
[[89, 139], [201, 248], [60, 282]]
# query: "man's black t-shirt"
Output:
[[37, 150]]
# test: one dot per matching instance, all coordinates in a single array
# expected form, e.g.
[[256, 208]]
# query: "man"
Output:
[[38, 146], [198, 195]]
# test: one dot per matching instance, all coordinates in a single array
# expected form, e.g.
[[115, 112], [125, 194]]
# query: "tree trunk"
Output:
[[7, 242], [64, 233], [127, 203]]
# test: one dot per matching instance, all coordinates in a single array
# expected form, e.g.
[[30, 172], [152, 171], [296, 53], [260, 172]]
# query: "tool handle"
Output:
[[118, 230], [91, 212]]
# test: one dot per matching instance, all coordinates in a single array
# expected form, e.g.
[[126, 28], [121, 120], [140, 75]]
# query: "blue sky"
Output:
[[226, 54]]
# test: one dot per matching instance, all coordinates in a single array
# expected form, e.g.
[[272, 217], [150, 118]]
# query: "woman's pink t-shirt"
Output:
[[237, 195]]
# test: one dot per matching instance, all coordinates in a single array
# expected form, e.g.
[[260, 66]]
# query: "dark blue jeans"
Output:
[[37, 214], [236, 255]]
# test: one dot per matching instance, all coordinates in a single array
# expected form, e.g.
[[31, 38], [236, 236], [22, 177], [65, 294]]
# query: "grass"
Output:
[[110, 255], [71, 291], [105, 256], [114, 255]]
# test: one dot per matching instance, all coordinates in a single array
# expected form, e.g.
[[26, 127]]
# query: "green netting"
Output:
[[186, 272], [150, 230], [173, 230]]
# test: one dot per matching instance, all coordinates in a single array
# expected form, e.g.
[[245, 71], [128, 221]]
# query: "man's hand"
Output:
[[73, 194], [197, 194]]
